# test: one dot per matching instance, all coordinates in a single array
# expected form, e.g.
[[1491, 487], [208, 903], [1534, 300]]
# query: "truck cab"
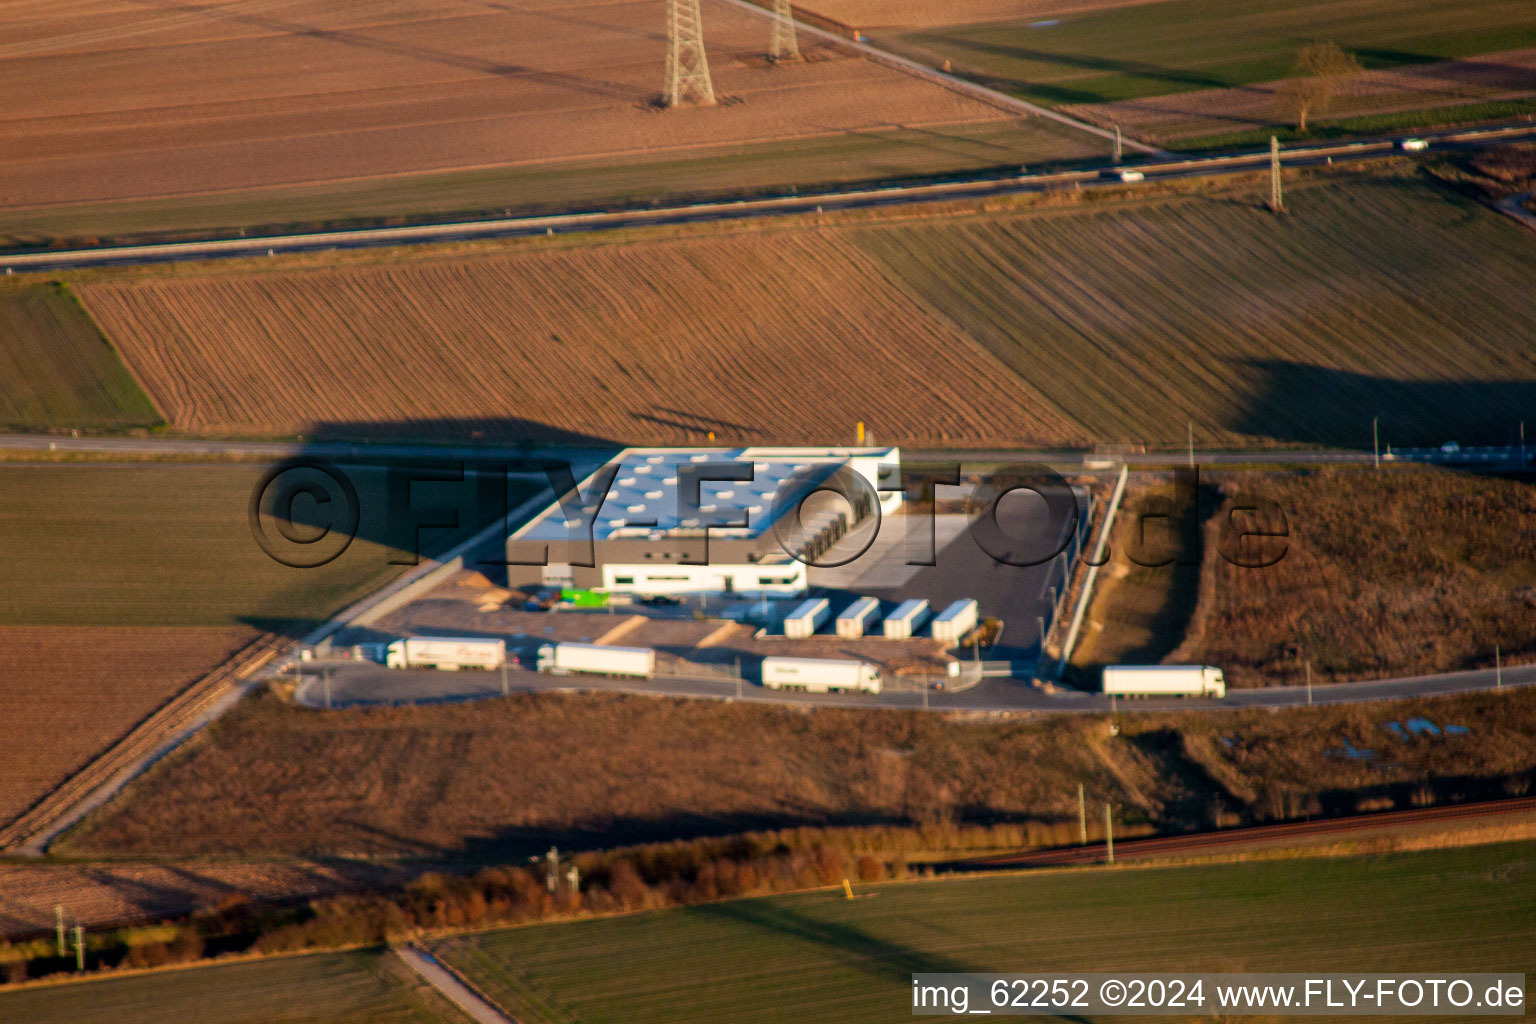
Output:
[[1215, 683], [394, 655]]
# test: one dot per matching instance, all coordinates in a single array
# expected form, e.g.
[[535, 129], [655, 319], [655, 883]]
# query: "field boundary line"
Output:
[[148, 741], [992, 97], [1084, 595], [453, 985]]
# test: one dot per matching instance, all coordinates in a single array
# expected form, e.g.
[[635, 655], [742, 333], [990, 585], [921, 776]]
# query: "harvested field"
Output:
[[1134, 51], [787, 337], [505, 778], [68, 693], [1215, 112], [1387, 574], [1377, 295], [56, 369], [231, 96], [1073, 324]]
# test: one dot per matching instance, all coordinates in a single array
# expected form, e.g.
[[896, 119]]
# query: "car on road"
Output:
[[1120, 174], [1450, 448], [1413, 145], [660, 601]]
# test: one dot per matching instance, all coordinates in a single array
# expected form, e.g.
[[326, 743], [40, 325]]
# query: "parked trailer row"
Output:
[[821, 675], [449, 654], [566, 659], [1164, 681]]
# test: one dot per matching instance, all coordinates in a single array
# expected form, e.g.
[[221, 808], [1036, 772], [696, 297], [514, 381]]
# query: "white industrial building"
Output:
[[641, 542]]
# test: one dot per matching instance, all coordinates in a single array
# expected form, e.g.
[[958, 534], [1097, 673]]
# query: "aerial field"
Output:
[[66, 693], [754, 338], [163, 545], [229, 97], [603, 771], [1380, 294], [1494, 79], [359, 987], [1136, 51], [820, 957], [56, 369]]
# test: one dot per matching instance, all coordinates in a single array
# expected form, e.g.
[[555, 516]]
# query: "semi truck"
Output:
[[805, 620], [1164, 681], [566, 659], [450, 654], [820, 675], [956, 621], [857, 618], [907, 619]]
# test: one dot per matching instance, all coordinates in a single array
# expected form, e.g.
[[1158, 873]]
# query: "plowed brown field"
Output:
[[928, 13], [66, 693], [224, 95], [789, 337]]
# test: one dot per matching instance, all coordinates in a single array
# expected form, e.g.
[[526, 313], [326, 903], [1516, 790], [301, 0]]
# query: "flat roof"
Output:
[[645, 490]]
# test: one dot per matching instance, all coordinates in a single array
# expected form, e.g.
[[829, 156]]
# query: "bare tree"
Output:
[[1317, 78]]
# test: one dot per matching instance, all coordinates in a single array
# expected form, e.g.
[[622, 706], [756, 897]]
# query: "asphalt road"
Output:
[[849, 199], [353, 684]]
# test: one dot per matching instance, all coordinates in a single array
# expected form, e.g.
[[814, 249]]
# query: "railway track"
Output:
[[1157, 846], [133, 752]]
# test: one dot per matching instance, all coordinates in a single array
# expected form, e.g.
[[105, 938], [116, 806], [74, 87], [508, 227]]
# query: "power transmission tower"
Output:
[[783, 46], [1276, 199], [1119, 145], [687, 67]]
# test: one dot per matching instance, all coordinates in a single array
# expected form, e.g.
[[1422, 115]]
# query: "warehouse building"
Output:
[[643, 541]]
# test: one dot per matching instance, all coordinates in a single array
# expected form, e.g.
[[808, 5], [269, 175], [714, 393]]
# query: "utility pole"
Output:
[[1119, 148], [1041, 620], [1082, 815], [1191, 444], [58, 926], [687, 78], [925, 692], [503, 676], [79, 946], [784, 47], [325, 675], [1498, 669], [552, 863], [1376, 439], [1276, 198], [1309, 682], [1109, 833]]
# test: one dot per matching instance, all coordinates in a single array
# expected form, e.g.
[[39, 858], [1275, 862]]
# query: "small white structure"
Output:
[[820, 675], [806, 619], [1164, 681], [449, 654], [595, 659], [858, 617], [906, 620], [956, 621]]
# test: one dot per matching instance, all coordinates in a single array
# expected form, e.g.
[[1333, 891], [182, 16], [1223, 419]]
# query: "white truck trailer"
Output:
[[805, 620], [1164, 681], [858, 617], [820, 675], [956, 621], [597, 660], [907, 619], [447, 653]]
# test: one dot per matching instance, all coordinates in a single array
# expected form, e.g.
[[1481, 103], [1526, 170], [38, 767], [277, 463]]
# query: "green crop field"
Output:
[[172, 544], [56, 368], [362, 987], [819, 957], [1378, 295], [1181, 45]]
